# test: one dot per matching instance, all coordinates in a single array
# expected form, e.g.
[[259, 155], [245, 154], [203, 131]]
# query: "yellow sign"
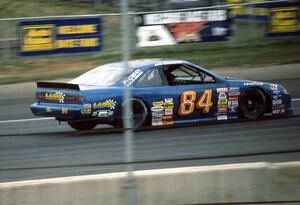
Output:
[[76, 43], [284, 20], [57, 96], [106, 104], [38, 37], [46, 37], [86, 111], [247, 10], [159, 103], [222, 101], [77, 29]]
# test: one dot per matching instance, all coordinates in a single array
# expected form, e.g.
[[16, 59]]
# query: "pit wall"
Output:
[[240, 183]]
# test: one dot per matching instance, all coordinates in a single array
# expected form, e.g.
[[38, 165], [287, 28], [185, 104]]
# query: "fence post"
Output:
[[128, 133], [253, 22], [6, 42]]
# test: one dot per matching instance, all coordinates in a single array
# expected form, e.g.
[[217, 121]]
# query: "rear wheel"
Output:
[[139, 114], [82, 125], [253, 103]]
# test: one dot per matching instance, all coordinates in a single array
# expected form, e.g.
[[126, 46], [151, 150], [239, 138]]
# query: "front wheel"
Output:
[[83, 125], [253, 103]]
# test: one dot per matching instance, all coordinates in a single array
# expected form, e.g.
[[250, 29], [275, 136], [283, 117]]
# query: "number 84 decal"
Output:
[[187, 102]]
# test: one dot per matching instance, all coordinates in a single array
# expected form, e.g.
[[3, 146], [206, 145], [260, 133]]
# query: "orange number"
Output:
[[187, 103], [204, 101]]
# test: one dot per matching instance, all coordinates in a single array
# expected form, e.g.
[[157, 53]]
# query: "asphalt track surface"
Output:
[[43, 149]]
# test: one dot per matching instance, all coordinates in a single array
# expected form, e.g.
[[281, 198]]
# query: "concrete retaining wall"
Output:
[[192, 185]]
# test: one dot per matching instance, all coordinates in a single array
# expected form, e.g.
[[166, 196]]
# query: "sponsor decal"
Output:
[[234, 93], [132, 77], [233, 98], [157, 109], [167, 117], [222, 101], [168, 111], [86, 111], [233, 105], [87, 105], [168, 100], [159, 103], [222, 106], [276, 97], [274, 87], [168, 120], [222, 95], [111, 104], [250, 83], [169, 105], [57, 96], [157, 115], [222, 117], [103, 113], [277, 102], [64, 110], [222, 110], [224, 90], [234, 89], [276, 92]]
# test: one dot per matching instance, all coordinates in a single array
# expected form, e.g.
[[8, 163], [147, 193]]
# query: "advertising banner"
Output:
[[258, 12], [60, 36], [170, 28], [284, 20]]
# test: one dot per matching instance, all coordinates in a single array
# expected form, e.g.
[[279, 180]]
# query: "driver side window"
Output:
[[179, 74], [149, 79]]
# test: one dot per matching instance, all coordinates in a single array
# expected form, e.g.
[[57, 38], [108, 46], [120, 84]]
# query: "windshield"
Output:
[[105, 75]]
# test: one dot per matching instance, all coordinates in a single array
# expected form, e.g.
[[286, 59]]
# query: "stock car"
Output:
[[164, 92]]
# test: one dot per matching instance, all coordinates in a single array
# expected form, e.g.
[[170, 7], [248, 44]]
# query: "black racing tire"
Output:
[[253, 103], [140, 116], [83, 125]]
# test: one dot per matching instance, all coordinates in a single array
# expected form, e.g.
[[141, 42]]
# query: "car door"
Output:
[[160, 98], [198, 96]]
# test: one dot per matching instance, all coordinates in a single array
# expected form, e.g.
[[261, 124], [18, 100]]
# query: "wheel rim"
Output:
[[138, 114], [253, 104]]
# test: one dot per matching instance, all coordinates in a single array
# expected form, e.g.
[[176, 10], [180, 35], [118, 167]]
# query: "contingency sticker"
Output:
[[162, 112]]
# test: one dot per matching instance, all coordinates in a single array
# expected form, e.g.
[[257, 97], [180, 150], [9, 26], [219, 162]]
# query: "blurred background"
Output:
[[247, 45], [256, 40]]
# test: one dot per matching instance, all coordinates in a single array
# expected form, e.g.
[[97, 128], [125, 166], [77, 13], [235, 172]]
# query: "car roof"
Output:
[[134, 64]]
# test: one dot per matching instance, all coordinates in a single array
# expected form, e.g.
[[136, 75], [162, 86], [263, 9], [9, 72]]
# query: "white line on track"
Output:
[[52, 118], [27, 120]]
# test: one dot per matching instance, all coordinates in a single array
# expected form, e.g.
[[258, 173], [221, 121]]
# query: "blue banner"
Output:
[[284, 20], [258, 12], [60, 36]]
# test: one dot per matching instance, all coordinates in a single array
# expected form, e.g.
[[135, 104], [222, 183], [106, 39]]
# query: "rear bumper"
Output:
[[61, 112]]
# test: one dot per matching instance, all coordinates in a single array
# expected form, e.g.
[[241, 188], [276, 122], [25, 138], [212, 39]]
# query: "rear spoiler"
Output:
[[68, 86]]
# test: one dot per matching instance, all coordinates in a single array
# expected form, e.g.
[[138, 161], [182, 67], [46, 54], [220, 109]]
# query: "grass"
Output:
[[248, 47]]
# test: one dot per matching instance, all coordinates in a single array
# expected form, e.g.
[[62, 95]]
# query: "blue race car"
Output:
[[164, 92]]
